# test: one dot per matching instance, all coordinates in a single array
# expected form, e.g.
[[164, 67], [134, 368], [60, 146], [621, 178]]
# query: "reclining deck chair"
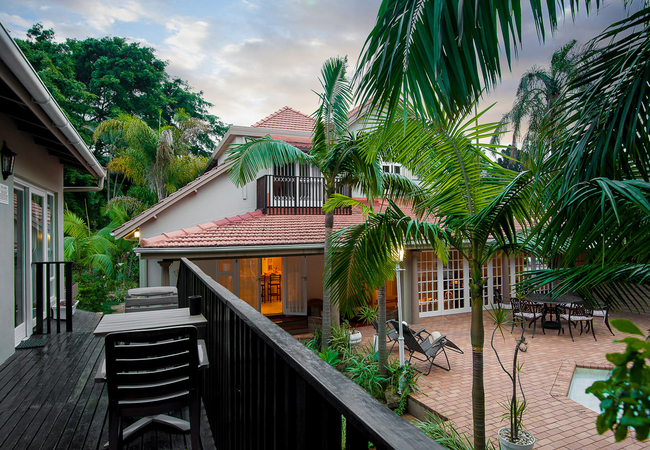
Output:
[[149, 373], [429, 348], [391, 334]]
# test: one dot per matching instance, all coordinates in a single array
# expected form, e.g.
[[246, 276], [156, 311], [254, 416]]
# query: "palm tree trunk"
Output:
[[478, 341], [327, 309], [381, 330]]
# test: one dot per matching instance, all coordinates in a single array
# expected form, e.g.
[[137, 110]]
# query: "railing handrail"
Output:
[[294, 194], [67, 267], [372, 419]]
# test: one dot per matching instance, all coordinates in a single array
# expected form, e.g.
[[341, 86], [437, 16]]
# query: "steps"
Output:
[[291, 324]]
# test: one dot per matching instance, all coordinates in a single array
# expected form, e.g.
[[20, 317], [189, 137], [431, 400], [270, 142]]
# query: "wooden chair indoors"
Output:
[[275, 287], [150, 373]]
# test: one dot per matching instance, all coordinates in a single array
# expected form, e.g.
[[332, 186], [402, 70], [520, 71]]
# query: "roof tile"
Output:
[[287, 119]]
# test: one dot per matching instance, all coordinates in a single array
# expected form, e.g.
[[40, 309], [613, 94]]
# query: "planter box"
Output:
[[63, 309]]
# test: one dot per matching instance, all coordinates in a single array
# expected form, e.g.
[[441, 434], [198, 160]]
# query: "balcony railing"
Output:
[[264, 389], [279, 194]]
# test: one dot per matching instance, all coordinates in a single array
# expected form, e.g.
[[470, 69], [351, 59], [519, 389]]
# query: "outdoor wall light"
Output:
[[8, 159], [401, 254], [136, 234]]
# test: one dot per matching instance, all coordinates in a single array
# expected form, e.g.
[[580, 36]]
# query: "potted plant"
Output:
[[369, 315], [513, 437]]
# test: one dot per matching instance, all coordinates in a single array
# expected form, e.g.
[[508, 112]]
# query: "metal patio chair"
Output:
[[429, 349], [579, 312], [523, 310]]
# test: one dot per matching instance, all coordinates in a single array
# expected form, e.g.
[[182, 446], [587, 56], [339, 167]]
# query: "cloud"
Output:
[[15, 20], [185, 45]]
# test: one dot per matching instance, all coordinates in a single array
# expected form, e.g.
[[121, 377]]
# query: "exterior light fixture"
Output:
[[8, 160], [136, 234]]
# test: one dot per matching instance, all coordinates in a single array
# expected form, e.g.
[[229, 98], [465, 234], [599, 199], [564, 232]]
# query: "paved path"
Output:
[[555, 420]]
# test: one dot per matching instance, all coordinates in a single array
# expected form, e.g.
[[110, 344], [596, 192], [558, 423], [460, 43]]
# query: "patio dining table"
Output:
[[550, 307], [145, 320]]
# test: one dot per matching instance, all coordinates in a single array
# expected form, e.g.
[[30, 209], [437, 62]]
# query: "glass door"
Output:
[[20, 329], [38, 241]]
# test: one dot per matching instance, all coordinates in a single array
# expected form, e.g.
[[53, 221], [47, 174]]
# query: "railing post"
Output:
[[39, 298], [48, 307], [58, 298], [68, 296]]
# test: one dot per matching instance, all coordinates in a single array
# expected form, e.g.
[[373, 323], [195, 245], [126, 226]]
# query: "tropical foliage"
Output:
[[625, 396], [438, 56], [159, 159], [534, 105]]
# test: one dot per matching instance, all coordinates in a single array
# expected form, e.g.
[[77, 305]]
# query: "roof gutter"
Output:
[[25, 73], [311, 248]]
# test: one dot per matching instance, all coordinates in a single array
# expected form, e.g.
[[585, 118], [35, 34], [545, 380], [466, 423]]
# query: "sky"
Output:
[[253, 57]]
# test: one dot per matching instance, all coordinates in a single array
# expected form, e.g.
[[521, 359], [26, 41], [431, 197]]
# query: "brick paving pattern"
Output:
[[556, 421]]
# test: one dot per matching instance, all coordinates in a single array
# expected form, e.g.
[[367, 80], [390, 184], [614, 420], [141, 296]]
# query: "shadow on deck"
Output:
[[49, 400]]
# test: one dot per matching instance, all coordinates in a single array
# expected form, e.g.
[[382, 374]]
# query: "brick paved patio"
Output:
[[555, 420]]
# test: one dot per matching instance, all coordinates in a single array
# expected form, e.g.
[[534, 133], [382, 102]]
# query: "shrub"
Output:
[[93, 291]]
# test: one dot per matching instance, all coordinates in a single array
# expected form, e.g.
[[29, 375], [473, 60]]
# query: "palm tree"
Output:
[[468, 202], [336, 152], [89, 250], [534, 105], [150, 157], [440, 55]]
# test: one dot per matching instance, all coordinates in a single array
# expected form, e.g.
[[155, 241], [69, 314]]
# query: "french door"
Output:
[[34, 241]]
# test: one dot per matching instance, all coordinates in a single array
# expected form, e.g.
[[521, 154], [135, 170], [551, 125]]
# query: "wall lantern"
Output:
[[8, 159], [136, 234]]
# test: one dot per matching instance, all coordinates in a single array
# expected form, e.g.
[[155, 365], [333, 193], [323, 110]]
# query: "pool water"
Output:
[[582, 379]]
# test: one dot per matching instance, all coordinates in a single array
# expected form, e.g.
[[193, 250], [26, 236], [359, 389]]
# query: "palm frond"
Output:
[[249, 158]]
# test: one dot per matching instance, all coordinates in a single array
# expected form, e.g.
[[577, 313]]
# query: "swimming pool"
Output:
[[582, 379]]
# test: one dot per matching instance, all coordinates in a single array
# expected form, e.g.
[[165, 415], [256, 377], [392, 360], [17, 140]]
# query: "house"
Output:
[[43, 142], [264, 241]]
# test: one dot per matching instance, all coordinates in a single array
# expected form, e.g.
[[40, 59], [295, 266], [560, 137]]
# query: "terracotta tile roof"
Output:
[[303, 143], [252, 229], [287, 119]]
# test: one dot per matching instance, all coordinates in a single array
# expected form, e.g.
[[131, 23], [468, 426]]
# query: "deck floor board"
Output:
[[49, 400]]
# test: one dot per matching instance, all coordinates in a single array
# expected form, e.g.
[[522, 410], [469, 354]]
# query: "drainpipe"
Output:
[[21, 68]]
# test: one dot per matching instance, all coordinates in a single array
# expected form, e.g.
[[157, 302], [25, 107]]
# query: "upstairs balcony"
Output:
[[292, 195]]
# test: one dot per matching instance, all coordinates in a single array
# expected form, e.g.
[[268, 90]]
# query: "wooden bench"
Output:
[[151, 299]]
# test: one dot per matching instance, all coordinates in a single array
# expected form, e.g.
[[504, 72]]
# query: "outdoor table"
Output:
[[550, 307], [145, 320]]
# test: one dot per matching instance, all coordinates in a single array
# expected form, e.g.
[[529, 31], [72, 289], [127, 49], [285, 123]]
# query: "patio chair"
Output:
[[497, 300], [429, 349], [395, 326], [523, 310], [391, 334], [149, 373], [604, 313], [578, 312]]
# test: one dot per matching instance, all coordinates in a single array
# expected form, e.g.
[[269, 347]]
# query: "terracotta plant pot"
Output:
[[507, 445]]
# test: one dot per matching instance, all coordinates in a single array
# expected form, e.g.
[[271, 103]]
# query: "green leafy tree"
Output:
[[538, 91], [154, 158], [625, 396], [336, 152]]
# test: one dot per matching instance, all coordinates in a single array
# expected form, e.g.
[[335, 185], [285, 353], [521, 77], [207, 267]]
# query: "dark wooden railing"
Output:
[[279, 194], [264, 389], [43, 294]]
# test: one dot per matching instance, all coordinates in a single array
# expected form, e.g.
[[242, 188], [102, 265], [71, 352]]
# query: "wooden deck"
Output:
[[49, 400]]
